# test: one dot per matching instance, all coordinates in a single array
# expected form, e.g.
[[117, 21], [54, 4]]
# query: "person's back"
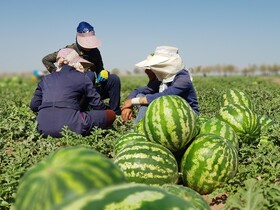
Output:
[[64, 85], [58, 97], [62, 94], [86, 45]]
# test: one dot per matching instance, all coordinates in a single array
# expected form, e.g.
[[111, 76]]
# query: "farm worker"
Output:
[[167, 76], [60, 97], [86, 45]]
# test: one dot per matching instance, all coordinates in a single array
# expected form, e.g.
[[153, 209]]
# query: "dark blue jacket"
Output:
[[181, 86], [58, 100]]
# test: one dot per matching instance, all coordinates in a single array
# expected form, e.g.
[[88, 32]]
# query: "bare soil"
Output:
[[218, 202]]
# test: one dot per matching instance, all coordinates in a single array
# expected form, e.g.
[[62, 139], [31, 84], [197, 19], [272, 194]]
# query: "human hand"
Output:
[[127, 104], [103, 76], [127, 114]]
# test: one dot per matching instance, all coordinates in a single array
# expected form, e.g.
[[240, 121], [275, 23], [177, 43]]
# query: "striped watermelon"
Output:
[[127, 139], [148, 163], [209, 162], [188, 194], [66, 173], [170, 121], [139, 127], [196, 130], [234, 96], [220, 128], [243, 120], [127, 197]]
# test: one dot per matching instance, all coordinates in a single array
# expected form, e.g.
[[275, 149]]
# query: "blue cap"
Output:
[[84, 27]]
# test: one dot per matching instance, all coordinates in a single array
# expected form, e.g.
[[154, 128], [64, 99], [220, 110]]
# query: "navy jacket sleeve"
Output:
[[152, 87], [36, 100], [92, 96]]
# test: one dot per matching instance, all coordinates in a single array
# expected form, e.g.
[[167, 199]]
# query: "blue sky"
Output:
[[207, 32]]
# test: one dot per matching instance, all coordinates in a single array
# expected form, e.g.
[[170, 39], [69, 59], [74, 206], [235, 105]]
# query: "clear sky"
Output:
[[207, 32]]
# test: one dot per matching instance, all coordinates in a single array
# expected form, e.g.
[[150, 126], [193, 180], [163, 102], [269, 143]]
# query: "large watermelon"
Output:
[[127, 197], [235, 96], [148, 163], [243, 120], [221, 128], [66, 173], [188, 194], [170, 121], [208, 162], [128, 138]]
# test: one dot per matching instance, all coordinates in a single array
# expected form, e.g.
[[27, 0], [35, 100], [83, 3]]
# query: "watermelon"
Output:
[[234, 96], [65, 173], [127, 139], [170, 121], [221, 128], [127, 197], [188, 194], [208, 163], [139, 127], [148, 163], [243, 120]]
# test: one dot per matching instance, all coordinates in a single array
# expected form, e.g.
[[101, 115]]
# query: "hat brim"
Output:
[[82, 61], [152, 60], [88, 40]]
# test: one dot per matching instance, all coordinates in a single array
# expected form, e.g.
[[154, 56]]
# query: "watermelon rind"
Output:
[[148, 163], [128, 138], [127, 197], [209, 162], [68, 172], [221, 128], [139, 127], [236, 96], [170, 121], [243, 120], [188, 194]]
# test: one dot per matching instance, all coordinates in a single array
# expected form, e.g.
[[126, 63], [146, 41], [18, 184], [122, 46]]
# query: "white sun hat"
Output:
[[165, 62]]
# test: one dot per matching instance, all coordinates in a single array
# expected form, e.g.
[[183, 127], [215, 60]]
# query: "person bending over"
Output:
[[60, 96]]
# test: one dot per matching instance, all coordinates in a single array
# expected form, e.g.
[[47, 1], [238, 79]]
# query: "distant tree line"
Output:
[[223, 70], [233, 70]]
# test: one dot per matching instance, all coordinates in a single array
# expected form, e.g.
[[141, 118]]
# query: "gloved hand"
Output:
[[103, 76]]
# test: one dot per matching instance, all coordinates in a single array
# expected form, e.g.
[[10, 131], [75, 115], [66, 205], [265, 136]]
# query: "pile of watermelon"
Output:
[[81, 178], [169, 161], [202, 152]]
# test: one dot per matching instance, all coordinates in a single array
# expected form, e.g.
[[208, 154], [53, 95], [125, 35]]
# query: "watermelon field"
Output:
[[239, 168]]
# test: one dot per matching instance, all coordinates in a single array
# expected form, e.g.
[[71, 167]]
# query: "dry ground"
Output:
[[216, 203]]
